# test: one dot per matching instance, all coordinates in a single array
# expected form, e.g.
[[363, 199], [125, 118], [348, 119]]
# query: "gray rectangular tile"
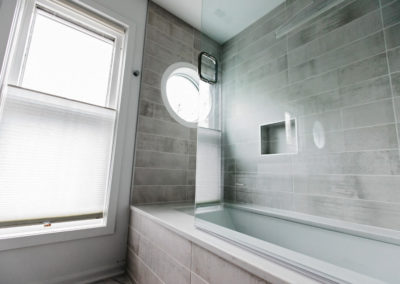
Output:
[[159, 160], [394, 60], [164, 128], [213, 269], [366, 91], [143, 176], [380, 112], [158, 143], [140, 271], [367, 69], [172, 244], [396, 84], [332, 20], [382, 162], [162, 264], [355, 51], [354, 30], [392, 35], [378, 214], [371, 138], [374, 188], [391, 13]]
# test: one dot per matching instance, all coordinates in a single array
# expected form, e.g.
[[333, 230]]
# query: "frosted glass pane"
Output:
[[65, 61], [54, 156], [208, 166]]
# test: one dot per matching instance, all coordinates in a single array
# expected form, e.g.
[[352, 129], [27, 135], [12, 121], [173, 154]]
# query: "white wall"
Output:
[[72, 261]]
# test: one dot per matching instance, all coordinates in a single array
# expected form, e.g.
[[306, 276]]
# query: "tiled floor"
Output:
[[123, 279]]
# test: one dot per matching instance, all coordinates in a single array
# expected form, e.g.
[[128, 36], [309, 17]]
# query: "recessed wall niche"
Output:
[[279, 137]]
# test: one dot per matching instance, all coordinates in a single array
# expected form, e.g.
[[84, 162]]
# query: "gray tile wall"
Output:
[[165, 150], [157, 255], [341, 70]]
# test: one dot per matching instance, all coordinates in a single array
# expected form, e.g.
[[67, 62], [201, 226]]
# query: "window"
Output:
[[59, 108], [187, 98]]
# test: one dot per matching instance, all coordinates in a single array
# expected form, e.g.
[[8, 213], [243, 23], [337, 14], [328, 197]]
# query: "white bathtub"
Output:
[[350, 256]]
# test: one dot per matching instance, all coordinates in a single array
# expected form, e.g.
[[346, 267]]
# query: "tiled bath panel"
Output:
[[157, 255], [339, 73], [165, 156]]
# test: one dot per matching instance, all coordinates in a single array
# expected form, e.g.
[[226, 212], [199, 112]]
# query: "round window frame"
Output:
[[190, 74]]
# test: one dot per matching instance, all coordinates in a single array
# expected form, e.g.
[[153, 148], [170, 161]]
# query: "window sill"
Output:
[[34, 235]]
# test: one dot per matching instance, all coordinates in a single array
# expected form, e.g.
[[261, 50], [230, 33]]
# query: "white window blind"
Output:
[[55, 156], [58, 114]]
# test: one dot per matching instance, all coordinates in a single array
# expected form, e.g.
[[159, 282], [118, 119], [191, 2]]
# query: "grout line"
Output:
[[168, 153], [390, 80], [170, 137]]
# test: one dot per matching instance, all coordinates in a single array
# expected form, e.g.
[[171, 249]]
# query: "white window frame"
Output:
[[66, 13], [38, 234]]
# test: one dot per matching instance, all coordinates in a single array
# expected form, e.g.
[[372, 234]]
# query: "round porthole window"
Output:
[[186, 98]]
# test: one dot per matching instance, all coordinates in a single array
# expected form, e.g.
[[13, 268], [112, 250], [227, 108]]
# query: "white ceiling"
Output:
[[219, 19]]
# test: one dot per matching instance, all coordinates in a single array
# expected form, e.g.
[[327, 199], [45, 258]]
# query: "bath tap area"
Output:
[[199, 141]]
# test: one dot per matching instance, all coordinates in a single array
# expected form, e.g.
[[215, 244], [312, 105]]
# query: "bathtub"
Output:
[[326, 250]]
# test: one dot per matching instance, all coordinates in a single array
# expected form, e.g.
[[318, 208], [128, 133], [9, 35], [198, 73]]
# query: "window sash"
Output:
[[71, 13]]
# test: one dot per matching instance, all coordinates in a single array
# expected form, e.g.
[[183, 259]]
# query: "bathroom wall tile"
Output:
[[348, 186], [359, 28], [140, 271], [318, 163], [168, 42], [272, 199], [164, 128], [196, 279], [394, 59], [366, 91], [331, 142], [359, 211], [150, 93], [391, 13], [314, 85], [215, 270], [263, 182], [155, 49], [360, 116], [370, 138], [151, 78], [144, 176], [150, 159], [397, 107], [330, 121], [323, 102], [331, 20], [171, 30], [392, 35], [229, 194], [158, 143], [380, 162], [150, 195], [396, 84], [364, 70], [154, 64], [365, 47], [157, 111], [385, 2]]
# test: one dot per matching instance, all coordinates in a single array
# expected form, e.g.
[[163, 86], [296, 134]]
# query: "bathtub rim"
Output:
[[304, 264]]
